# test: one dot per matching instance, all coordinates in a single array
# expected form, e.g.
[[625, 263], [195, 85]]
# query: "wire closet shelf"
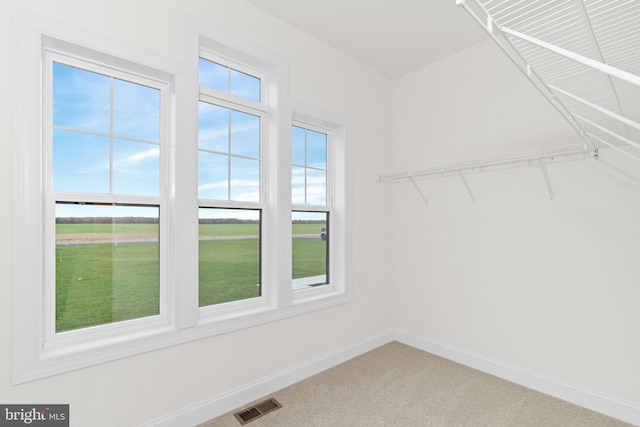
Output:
[[582, 55]]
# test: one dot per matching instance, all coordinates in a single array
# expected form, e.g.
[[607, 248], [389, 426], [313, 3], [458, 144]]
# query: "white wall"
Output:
[[141, 388], [548, 286]]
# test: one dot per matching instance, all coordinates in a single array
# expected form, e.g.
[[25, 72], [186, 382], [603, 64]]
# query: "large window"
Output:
[[158, 201], [105, 203], [230, 140]]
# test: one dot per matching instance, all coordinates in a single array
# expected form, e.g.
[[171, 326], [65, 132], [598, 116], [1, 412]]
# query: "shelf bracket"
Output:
[[466, 184], [415, 184], [545, 173]]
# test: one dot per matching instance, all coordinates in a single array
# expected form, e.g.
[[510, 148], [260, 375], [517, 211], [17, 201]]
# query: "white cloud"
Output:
[[133, 160], [235, 184]]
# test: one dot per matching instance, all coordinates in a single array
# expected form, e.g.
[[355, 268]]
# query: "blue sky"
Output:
[[228, 80], [106, 139], [308, 173], [106, 136]]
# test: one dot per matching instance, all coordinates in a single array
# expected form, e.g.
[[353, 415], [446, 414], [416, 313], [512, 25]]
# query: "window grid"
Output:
[[39, 352], [307, 203], [104, 200], [240, 115], [229, 153]]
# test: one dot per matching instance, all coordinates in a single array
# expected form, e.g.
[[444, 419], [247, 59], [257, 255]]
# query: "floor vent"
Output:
[[258, 410]]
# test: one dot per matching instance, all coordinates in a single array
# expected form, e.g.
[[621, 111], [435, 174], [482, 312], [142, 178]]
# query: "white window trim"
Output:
[[36, 353], [184, 322], [59, 51], [338, 204], [213, 44]]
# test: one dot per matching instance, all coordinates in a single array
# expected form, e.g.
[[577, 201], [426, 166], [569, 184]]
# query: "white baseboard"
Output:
[[200, 412], [218, 405], [595, 401]]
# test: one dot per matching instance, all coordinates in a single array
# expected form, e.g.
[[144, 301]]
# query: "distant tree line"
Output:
[[228, 221], [106, 220], [309, 221]]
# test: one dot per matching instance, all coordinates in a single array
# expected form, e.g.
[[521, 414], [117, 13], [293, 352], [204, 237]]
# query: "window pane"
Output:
[[316, 149], [136, 168], [213, 176], [309, 166], [310, 251], [81, 99], [245, 85], [225, 79], [136, 111], [213, 127], [107, 264], [298, 193], [245, 180], [213, 75], [316, 187], [298, 146], [229, 255], [245, 134], [80, 162]]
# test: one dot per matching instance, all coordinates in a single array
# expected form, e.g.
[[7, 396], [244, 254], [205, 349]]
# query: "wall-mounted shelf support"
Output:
[[466, 184], [545, 173], [422, 196], [610, 145]]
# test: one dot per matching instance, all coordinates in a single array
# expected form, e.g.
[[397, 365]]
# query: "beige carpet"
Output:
[[397, 385]]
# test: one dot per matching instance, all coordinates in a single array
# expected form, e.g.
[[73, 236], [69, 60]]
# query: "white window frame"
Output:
[[338, 203], [38, 354], [37, 350], [260, 109], [56, 50], [217, 46]]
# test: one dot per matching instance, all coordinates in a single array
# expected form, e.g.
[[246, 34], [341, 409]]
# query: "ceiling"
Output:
[[394, 37]]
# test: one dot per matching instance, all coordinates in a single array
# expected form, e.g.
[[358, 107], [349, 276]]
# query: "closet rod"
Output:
[[480, 165]]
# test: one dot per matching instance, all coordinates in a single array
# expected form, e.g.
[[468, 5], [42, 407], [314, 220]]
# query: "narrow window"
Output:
[[230, 129], [310, 218]]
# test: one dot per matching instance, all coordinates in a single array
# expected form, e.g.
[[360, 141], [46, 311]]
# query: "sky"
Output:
[[107, 135]]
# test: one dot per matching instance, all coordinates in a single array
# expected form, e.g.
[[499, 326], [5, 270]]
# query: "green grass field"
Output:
[[98, 284], [103, 283], [106, 228]]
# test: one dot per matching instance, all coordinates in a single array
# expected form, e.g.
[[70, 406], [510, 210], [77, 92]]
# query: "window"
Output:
[[230, 138], [105, 185], [93, 275], [320, 221], [229, 255], [161, 203], [105, 140], [310, 218]]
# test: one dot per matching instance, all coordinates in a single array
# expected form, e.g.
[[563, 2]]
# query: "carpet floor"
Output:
[[397, 385]]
